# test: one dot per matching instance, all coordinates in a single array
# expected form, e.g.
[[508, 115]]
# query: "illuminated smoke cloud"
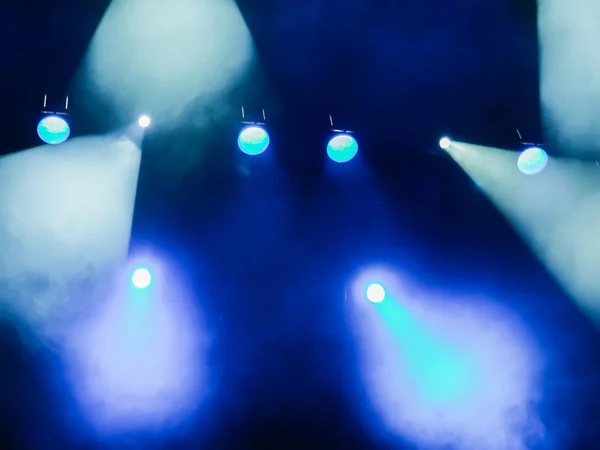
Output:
[[137, 363], [441, 371]]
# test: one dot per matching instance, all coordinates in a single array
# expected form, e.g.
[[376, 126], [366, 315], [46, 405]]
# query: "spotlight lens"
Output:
[[53, 130], [342, 148], [532, 161], [253, 140], [445, 143], [375, 293], [141, 278], [144, 121]]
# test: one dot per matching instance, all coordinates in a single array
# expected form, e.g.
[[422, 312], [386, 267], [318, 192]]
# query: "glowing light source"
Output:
[[375, 293], [532, 161], [144, 121], [253, 140], [445, 143], [342, 148], [53, 130], [141, 278]]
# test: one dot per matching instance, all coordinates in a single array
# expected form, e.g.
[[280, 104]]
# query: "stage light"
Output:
[[445, 143], [375, 293], [144, 121], [141, 278], [253, 140], [532, 161], [342, 148], [53, 130]]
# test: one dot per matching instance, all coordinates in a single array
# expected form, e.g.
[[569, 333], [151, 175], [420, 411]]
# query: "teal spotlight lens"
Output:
[[342, 148], [253, 140], [532, 161], [53, 130], [375, 293]]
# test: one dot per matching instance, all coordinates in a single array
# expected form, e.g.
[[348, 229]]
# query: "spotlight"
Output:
[[375, 293], [445, 143], [144, 121], [53, 130], [141, 278], [253, 140], [532, 161], [342, 148]]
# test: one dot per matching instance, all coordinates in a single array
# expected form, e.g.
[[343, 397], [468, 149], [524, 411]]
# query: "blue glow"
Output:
[[439, 372], [375, 293], [342, 148], [253, 140], [141, 278], [429, 373], [136, 366], [532, 161], [53, 130]]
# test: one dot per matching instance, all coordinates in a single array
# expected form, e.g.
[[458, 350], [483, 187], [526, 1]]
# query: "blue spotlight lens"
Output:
[[253, 140], [342, 148], [532, 161], [375, 293], [53, 130], [141, 278]]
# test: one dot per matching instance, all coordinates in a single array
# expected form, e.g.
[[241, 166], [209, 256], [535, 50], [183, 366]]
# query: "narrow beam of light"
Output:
[[430, 375], [554, 212], [175, 55], [342, 148], [569, 68], [66, 215], [53, 130]]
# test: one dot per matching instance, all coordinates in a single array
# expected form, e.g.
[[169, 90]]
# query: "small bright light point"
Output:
[[53, 130], [532, 161], [144, 121], [445, 143], [342, 148], [141, 278], [375, 293], [253, 140]]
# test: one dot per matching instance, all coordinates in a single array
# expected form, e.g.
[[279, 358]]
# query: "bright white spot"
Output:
[[375, 293], [141, 278], [445, 143], [144, 121]]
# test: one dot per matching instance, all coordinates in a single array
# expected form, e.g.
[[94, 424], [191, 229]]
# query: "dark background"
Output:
[[274, 248]]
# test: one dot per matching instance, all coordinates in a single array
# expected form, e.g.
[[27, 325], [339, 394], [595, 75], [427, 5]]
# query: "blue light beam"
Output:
[[445, 372]]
